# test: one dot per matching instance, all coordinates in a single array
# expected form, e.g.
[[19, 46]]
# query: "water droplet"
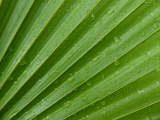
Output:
[[103, 111], [85, 99], [103, 102], [92, 31], [108, 51], [88, 83], [96, 58], [111, 10], [156, 25], [86, 67], [143, 34], [140, 91], [71, 79], [93, 17], [116, 40], [116, 62], [67, 104], [138, 71], [148, 54]]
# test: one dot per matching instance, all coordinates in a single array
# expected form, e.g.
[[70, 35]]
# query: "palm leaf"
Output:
[[79, 59]]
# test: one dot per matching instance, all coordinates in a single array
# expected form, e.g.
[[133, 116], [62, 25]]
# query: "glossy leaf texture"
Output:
[[79, 59]]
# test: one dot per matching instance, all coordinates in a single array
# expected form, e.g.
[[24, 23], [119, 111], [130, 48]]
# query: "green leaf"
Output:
[[79, 59]]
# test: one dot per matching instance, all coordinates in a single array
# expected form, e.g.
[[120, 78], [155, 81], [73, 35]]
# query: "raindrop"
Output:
[[103, 102], [85, 99], [92, 31], [143, 34], [156, 25], [108, 52], [116, 40], [111, 11], [96, 58], [88, 83], [138, 71], [56, 89], [103, 111], [71, 79], [67, 104], [140, 91], [148, 54], [93, 17], [116, 62]]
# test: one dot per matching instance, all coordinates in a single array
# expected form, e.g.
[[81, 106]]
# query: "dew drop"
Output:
[[96, 58], [156, 25], [103, 111], [116, 62], [103, 102], [140, 91], [111, 11], [93, 17], [88, 83], [71, 79], [108, 52], [85, 99], [92, 31], [143, 34], [56, 89], [138, 71], [116, 40], [148, 54], [67, 104]]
